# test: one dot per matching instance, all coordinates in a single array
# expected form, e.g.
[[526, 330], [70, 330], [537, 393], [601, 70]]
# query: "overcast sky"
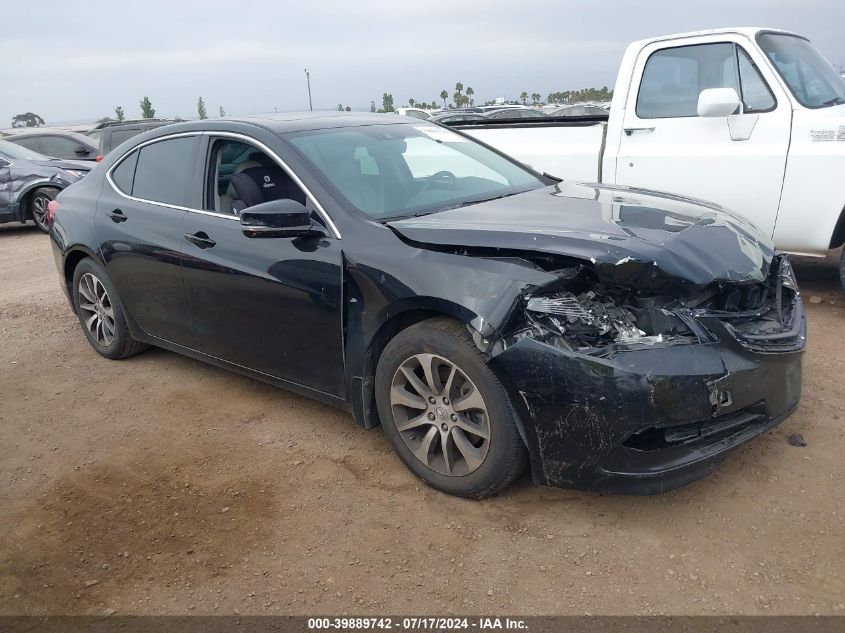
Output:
[[78, 60]]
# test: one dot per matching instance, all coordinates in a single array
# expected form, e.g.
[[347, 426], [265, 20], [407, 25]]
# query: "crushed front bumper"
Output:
[[646, 421]]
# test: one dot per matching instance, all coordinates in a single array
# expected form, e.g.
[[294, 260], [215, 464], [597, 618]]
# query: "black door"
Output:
[[138, 226], [269, 304]]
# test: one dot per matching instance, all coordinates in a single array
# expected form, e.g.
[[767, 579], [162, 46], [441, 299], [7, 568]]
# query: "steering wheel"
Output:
[[445, 176]]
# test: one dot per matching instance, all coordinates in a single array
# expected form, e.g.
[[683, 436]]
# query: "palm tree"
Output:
[[411, 102], [524, 97], [444, 95], [535, 97], [470, 92]]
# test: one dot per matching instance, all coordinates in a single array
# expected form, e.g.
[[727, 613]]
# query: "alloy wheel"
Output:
[[440, 414], [39, 210], [97, 309]]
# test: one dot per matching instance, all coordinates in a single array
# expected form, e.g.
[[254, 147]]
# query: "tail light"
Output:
[[99, 158], [52, 207]]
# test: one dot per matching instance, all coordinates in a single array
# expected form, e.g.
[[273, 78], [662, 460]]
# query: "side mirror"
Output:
[[278, 218], [81, 151], [717, 102]]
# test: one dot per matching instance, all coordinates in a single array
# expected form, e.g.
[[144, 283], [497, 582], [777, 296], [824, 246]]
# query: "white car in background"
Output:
[[417, 113]]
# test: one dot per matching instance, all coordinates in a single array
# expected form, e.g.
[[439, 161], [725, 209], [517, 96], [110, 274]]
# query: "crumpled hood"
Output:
[[631, 236]]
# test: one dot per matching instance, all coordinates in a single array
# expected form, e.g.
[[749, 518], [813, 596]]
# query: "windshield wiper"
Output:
[[480, 200], [405, 216], [834, 101]]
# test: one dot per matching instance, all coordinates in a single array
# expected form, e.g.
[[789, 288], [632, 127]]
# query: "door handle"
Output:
[[117, 216], [630, 130], [200, 239]]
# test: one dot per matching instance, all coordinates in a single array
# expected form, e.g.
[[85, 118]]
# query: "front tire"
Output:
[[445, 412], [100, 312], [38, 201]]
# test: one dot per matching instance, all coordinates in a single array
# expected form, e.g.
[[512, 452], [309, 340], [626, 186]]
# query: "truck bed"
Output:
[[564, 147]]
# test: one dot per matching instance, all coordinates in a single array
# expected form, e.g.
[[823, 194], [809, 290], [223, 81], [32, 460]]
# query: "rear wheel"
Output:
[[100, 312], [446, 414], [38, 201], [842, 268]]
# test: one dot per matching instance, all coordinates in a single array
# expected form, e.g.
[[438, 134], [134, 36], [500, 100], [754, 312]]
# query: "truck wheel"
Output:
[[38, 201], [446, 414]]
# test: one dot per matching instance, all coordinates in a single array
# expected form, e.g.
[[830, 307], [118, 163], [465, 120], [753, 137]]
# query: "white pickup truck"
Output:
[[752, 119]]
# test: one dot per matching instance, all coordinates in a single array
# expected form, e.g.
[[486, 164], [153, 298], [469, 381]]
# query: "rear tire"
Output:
[[444, 411], [38, 201], [100, 312], [842, 268]]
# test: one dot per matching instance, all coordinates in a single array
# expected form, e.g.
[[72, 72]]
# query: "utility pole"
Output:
[[308, 81]]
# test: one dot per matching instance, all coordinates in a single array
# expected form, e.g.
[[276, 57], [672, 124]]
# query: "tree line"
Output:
[[30, 119], [461, 98]]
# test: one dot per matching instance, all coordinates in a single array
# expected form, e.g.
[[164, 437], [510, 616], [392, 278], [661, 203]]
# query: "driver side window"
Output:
[[241, 176]]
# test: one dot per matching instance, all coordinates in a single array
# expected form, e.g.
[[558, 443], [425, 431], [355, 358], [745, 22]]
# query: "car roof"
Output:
[[37, 132], [284, 122]]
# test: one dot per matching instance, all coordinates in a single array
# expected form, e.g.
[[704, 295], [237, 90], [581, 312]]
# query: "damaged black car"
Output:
[[487, 317]]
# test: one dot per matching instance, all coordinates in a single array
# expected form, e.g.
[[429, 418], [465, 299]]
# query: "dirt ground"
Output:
[[162, 485]]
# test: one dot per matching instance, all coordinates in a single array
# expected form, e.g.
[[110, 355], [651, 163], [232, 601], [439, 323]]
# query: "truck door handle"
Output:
[[630, 130], [200, 239], [117, 216]]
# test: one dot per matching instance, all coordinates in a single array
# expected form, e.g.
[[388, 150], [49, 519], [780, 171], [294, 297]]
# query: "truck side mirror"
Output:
[[717, 102]]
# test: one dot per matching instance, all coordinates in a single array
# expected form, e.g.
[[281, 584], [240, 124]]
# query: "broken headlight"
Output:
[[583, 321]]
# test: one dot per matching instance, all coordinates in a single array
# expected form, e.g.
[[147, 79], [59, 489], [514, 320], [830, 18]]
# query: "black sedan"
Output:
[[483, 314], [30, 181]]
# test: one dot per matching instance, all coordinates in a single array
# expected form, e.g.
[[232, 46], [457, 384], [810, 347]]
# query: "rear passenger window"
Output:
[[29, 143], [124, 173], [118, 136], [164, 171]]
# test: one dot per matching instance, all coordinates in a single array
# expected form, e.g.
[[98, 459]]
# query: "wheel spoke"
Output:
[[431, 377], [447, 388], [472, 455], [413, 423], [415, 382], [472, 400], [85, 291], [108, 327], [479, 430], [447, 457], [401, 396], [91, 323], [425, 445]]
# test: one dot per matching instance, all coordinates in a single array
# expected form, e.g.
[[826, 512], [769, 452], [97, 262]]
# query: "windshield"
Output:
[[13, 151], [396, 171], [809, 75]]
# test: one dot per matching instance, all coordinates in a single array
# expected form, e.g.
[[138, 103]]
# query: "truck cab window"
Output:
[[756, 95], [674, 77]]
